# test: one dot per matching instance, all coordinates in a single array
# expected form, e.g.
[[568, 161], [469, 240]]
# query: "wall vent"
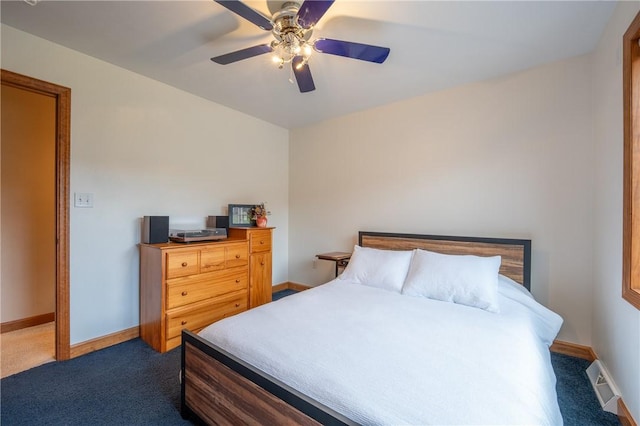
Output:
[[604, 387]]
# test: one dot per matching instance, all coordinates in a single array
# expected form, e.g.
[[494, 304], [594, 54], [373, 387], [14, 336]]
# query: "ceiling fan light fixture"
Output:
[[289, 47], [307, 50], [291, 40], [292, 26]]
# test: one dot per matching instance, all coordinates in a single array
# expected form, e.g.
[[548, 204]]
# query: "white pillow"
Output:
[[386, 269], [464, 279], [505, 284]]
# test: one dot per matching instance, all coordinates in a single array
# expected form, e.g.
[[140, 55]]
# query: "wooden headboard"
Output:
[[516, 254]]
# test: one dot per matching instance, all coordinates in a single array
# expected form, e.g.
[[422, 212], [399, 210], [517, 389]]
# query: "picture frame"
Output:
[[240, 215]]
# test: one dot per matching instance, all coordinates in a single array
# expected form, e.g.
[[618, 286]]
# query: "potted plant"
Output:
[[259, 214]]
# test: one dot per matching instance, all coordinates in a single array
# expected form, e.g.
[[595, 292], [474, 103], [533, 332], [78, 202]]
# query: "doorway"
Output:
[[62, 102]]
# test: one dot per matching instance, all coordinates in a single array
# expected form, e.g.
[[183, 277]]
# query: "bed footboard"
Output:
[[218, 388]]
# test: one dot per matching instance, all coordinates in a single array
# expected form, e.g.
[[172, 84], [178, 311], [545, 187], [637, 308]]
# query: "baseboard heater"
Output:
[[606, 391]]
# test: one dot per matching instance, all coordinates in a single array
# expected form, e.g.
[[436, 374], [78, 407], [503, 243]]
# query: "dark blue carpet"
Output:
[[131, 384], [578, 402], [283, 293], [126, 384]]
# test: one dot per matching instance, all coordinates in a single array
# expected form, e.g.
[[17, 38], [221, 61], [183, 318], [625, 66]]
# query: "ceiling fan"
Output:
[[292, 24]]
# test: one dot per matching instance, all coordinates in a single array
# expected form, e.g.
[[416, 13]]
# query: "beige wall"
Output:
[[616, 323], [509, 157], [28, 204], [145, 148]]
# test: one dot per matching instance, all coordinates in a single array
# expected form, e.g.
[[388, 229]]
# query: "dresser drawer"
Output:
[[212, 259], [180, 264], [260, 241], [183, 291], [237, 255], [205, 314]]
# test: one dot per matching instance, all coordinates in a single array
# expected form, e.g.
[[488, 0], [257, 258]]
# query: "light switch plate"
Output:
[[83, 199]]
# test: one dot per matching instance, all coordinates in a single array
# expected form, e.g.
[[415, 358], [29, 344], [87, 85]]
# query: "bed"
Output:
[[377, 346]]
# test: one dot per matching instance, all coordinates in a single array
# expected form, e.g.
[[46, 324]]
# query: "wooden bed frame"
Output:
[[219, 388]]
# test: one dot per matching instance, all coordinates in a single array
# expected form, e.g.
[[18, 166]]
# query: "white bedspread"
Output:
[[380, 357]]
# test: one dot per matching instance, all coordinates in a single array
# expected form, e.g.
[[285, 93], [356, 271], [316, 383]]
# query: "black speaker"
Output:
[[218, 222], [155, 229]]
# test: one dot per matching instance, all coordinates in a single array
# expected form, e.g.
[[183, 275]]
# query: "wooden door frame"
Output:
[[62, 96]]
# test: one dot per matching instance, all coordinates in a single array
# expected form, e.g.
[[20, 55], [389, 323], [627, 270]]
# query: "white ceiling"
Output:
[[434, 45]]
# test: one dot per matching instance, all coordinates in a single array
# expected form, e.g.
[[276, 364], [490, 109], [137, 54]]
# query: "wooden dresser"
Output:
[[193, 285], [260, 280]]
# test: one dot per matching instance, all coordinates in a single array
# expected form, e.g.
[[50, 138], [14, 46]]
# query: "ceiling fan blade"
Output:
[[348, 49], [303, 75], [311, 11], [239, 55], [247, 13]]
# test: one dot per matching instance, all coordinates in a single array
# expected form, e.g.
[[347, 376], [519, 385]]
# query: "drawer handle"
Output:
[[184, 293], [184, 264], [261, 263], [261, 242], [237, 256], [237, 281], [237, 305], [184, 322]]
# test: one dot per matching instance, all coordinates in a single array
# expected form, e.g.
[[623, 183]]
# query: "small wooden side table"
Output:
[[341, 258]]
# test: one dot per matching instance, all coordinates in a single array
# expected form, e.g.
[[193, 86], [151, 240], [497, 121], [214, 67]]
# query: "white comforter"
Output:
[[380, 357]]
